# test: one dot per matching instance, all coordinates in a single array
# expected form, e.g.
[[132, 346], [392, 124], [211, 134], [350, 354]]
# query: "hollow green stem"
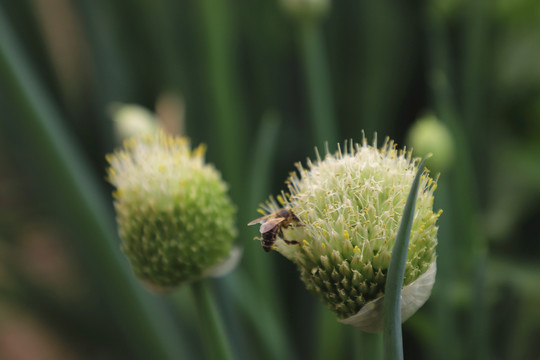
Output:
[[264, 148], [368, 346], [331, 335], [318, 85], [475, 50], [264, 320], [473, 247], [229, 119], [446, 345], [212, 329]]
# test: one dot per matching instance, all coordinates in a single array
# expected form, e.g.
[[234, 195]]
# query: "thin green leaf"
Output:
[[331, 335], [368, 346], [318, 85], [212, 328], [392, 340], [261, 272], [81, 202], [267, 324], [225, 95]]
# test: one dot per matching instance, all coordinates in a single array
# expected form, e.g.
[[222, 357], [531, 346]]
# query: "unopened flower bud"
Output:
[[428, 135], [132, 120], [349, 206], [175, 219]]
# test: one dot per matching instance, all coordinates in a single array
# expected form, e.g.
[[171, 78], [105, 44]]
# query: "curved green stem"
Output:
[[392, 340], [212, 329], [69, 179]]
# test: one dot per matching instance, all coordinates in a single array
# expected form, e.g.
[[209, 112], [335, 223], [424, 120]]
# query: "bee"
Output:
[[273, 224]]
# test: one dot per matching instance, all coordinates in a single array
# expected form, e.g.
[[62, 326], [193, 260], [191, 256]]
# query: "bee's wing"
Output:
[[270, 224], [259, 220]]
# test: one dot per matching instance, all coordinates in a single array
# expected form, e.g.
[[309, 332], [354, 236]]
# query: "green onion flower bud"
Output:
[[428, 135], [175, 220], [132, 120], [348, 209]]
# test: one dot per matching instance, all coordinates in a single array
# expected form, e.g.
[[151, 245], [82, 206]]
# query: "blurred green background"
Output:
[[262, 88]]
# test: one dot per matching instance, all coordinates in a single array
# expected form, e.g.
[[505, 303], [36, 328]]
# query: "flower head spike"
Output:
[[349, 207], [175, 219]]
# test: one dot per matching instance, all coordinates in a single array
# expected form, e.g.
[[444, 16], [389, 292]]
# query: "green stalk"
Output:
[[70, 180], [321, 110], [259, 264], [368, 346], [225, 92], [392, 339], [212, 329], [331, 335], [268, 325], [261, 162], [385, 64], [446, 345], [463, 178], [475, 41], [473, 248], [318, 85]]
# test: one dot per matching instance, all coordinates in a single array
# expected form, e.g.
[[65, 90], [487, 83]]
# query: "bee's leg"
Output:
[[290, 242]]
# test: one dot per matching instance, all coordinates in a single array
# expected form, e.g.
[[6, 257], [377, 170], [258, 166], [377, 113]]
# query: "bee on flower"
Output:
[[350, 205]]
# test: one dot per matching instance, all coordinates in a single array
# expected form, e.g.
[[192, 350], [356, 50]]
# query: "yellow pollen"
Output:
[[323, 245], [346, 235], [305, 242], [357, 250]]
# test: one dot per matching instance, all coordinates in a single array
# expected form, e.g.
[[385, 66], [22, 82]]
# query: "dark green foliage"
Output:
[[377, 65]]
